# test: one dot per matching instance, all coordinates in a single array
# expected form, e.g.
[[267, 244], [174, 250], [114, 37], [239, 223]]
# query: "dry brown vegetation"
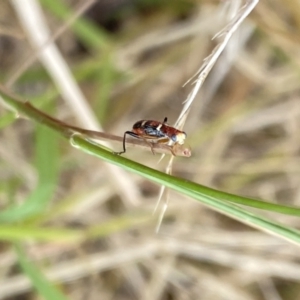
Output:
[[243, 130]]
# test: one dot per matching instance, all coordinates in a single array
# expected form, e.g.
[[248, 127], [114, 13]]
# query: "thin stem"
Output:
[[25, 108]]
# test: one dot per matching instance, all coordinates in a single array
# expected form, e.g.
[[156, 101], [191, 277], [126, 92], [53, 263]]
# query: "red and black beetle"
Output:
[[155, 130]]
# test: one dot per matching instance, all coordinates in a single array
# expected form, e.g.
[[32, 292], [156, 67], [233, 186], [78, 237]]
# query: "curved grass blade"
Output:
[[176, 183], [215, 199]]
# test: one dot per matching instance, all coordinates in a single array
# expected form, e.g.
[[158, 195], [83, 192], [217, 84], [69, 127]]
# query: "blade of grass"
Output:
[[31, 206], [21, 232], [47, 167], [39, 233], [39, 281], [234, 211], [177, 183], [47, 157], [7, 119], [210, 197], [90, 35], [192, 189]]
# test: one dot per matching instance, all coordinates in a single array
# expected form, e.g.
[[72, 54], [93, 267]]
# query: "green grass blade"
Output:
[[212, 198], [47, 164], [176, 183], [47, 157], [39, 281], [23, 233], [33, 205], [249, 218], [186, 187], [36, 232], [7, 119], [87, 32]]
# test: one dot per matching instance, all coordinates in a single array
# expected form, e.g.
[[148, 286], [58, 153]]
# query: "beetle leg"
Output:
[[150, 145], [172, 150], [124, 141]]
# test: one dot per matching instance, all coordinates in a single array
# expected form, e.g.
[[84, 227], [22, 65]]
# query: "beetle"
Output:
[[154, 130]]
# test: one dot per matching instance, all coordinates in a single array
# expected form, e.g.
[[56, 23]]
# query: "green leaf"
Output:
[[39, 281]]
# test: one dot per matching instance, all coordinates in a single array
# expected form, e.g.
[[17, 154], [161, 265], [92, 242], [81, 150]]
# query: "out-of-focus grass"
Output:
[[96, 41], [39, 281], [151, 89], [93, 37], [47, 167]]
